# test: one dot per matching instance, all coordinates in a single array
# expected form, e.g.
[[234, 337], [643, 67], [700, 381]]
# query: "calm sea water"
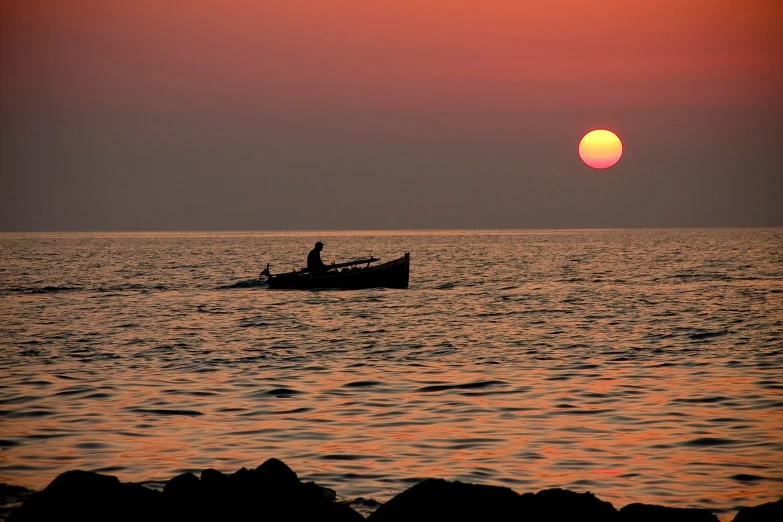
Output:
[[642, 365]]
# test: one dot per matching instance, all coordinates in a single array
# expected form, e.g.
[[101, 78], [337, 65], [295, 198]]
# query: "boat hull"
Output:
[[392, 274]]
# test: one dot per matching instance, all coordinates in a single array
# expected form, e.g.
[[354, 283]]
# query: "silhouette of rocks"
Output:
[[455, 501], [274, 470], [87, 496], [361, 501], [771, 511], [443, 500], [561, 504], [438, 499], [181, 486], [213, 476], [363, 506], [270, 492], [651, 513], [11, 497]]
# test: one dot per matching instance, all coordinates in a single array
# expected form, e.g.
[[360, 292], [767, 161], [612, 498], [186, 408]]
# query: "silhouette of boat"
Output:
[[350, 275]]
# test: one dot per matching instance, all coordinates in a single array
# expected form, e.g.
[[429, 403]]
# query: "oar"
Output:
[[341, 265]]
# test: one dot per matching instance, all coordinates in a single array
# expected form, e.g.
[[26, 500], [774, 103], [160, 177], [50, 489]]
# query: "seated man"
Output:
[[314, 263]]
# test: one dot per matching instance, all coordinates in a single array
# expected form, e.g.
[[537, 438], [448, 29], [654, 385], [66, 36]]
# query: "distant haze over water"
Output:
[[642, 365]]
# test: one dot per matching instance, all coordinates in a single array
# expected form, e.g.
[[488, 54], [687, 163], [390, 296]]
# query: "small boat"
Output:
[[350, 275]]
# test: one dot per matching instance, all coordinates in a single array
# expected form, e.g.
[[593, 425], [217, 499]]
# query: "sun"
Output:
[[600, 148]]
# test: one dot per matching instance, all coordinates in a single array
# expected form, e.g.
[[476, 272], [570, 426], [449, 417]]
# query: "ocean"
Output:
[[641, 365]]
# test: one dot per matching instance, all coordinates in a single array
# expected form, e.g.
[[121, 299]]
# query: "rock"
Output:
[[212, 476], [561, 504], [276, 471], [274, 492], [136, 499], [242, 475], [315, 491], [183, 498], [438, 499], [363, 506], [11, 497], [771, 511], [77, 481], [651, 513], [87, 496], [270, 492], [183, 485], [443, 500], [361, 501], [10, 493]]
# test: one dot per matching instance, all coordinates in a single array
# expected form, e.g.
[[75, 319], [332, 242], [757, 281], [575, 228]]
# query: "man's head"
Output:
[[319, 246]]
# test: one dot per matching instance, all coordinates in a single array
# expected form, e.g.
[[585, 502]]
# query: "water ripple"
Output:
[[644, 365]]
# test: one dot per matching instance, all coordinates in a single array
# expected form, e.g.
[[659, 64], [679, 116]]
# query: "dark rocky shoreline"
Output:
[[273, 492]]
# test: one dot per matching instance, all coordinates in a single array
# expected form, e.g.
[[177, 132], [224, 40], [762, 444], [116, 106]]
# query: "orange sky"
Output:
[[177, 114], [391, 53]]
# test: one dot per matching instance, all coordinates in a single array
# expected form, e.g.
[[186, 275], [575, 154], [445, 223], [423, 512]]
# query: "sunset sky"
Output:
[[356, 114]]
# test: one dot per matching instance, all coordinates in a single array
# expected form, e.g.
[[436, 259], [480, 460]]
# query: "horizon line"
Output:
[[370, 230]]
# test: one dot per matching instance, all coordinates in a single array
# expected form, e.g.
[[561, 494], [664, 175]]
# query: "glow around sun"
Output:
[[600, 148]]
